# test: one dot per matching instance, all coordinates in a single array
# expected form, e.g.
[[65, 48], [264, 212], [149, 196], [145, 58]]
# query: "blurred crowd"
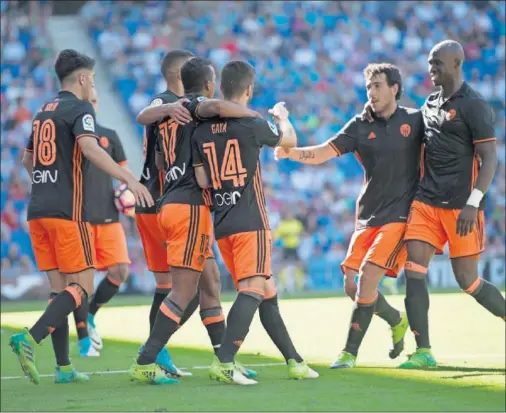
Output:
[[309, 54]]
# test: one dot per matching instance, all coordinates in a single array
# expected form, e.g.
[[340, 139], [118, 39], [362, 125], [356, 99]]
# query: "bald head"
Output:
[[451, 48], [445, 62]]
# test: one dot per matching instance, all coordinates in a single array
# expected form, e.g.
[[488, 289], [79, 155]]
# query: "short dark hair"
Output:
[[69, 60], [195, 73], [236, 76], [172, 58], [392, 73]]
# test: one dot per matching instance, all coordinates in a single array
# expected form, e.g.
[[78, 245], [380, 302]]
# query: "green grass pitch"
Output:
[[468, 342]]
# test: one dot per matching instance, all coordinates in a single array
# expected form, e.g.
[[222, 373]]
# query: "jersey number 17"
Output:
[[231, 168]]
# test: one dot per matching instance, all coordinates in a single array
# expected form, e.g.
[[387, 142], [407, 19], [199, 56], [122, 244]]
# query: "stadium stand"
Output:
[[308, 54]]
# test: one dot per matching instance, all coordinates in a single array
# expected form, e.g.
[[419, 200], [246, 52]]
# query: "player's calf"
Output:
[[251, 294], [485, 293], [185, 284], [108, 287], [273, 323]]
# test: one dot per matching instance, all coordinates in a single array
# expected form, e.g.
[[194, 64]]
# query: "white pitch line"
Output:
[[100, 373]]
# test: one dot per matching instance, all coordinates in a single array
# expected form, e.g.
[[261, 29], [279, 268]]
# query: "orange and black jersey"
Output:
[[99, 185], [452, 128], [389, 151], [151, 177], [59, 168], [175, 145], [229, 151]]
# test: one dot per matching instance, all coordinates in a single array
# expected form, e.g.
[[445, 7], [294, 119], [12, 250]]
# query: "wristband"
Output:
[[475, 198]]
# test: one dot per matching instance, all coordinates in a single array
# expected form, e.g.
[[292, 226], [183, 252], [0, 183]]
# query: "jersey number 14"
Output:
[[231, 168]]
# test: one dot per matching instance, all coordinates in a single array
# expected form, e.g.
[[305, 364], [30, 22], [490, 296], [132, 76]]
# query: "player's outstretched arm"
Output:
[[101, 159], [288, 134], [210, 108], [154, 113], [310, 155]]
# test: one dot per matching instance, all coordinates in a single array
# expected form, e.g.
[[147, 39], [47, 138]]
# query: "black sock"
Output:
[[160, 294], [417, 308], [273, 323], [385, 311], [214, 321], [60, 339], [491, 298], [360, 319], [105, 291], [81, 319], [56, 313], [166, 324], [188, 312], [238, 322]]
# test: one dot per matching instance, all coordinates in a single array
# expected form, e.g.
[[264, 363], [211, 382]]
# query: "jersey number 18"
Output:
[[44, 144]]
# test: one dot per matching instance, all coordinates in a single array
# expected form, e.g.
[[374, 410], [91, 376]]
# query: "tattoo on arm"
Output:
[[306, 155]]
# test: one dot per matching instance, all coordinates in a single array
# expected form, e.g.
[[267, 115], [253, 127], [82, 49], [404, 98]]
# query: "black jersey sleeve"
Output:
[[345, 140], [479, 117], [266, 133], [84, 121]]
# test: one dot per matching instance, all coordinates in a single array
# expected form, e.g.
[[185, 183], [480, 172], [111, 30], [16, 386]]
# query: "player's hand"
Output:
[[281, 153], [279, 111], [141, 193], [466, 220], [366, 114], [178, 113]]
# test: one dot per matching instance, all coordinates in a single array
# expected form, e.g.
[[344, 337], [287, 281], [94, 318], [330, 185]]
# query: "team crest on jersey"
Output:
[[274, 128], [156, 102], [405, 130], [88, 123], [104, 142], [201, 98], [451, 114]]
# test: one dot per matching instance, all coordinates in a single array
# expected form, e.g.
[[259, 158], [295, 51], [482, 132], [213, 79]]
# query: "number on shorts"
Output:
[[44, 141]]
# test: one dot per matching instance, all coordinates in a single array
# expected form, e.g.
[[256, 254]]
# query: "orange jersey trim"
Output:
[[335, 148], [485, 140], [86, 134]]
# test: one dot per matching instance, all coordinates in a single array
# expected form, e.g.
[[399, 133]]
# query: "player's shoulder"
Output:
[[164, 97], [410, 112], [471, 95]]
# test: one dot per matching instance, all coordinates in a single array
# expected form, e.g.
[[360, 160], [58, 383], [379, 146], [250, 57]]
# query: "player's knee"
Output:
[[350, 287], [271, 290], [467, 281], [254, 286], [78, 292], [414, 270], [118, 273]]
